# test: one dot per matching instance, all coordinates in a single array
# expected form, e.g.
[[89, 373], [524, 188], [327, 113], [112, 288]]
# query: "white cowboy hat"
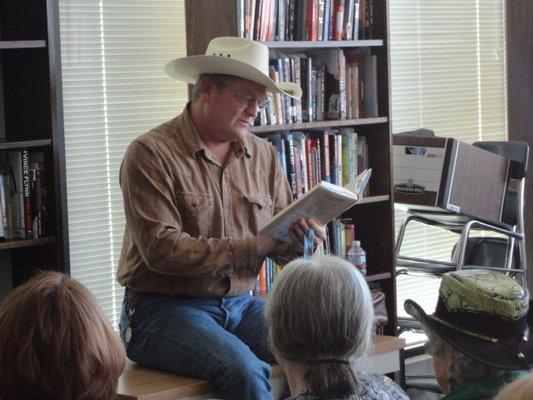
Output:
[[240, 57]]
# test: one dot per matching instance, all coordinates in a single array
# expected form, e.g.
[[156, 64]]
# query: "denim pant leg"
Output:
[[253, 331], [187, 337]]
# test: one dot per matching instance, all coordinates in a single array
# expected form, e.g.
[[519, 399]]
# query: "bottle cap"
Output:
[[357, 243]]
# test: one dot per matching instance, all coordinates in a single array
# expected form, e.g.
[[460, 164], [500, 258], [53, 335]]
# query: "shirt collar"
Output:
[[194, 143]]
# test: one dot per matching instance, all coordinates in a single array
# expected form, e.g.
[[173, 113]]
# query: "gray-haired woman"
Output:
[[320, 318]]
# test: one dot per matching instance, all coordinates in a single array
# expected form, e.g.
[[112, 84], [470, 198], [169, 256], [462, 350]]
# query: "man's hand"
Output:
[[265, 244], [300, 228]]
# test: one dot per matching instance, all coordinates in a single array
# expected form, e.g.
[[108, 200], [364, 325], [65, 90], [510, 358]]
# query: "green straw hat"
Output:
[[484, 315]]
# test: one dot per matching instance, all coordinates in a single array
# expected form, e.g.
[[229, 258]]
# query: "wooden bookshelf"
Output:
[[31, 116], [373, 216]]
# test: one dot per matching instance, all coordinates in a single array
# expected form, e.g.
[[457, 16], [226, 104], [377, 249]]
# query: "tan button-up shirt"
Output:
[[191, 221]]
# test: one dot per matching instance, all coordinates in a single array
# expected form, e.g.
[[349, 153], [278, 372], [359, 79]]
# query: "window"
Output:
[[447, 75], [114, 89]]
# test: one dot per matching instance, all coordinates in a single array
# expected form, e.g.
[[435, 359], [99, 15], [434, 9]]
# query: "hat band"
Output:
[[483, 325]]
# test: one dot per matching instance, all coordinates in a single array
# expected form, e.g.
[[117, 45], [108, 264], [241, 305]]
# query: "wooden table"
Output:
[[140, 383]]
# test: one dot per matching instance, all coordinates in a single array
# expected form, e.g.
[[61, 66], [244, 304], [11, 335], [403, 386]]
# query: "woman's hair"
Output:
[[321, 310], [521, 389], [465, 368], [219, 80], [55, 343]]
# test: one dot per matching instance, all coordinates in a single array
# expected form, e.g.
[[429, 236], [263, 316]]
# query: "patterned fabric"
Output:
[[371, 387], [484, 292]]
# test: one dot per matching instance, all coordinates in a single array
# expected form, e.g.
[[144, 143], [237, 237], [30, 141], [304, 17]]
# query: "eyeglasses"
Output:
[[247, 101]]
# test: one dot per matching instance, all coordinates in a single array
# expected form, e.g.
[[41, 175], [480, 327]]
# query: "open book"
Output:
[[325, 201]]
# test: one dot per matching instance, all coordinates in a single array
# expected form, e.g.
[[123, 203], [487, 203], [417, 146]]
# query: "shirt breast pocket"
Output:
[[197, 212], [260, 209]]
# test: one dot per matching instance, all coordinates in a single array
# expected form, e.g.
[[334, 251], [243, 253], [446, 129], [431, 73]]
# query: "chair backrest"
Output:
[[518, 153]]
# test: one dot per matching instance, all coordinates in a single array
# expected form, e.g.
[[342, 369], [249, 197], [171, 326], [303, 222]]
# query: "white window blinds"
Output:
[[447, 75], [114, 89]]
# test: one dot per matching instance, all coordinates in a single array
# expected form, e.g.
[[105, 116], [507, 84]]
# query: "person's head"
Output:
[[479, 327], [453, 368], [231, 81], [227, 105], [521, 389], [320, 315], [55, 343]]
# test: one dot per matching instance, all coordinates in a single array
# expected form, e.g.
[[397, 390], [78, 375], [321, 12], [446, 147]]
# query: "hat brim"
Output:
[[188, 69], [497, 355]]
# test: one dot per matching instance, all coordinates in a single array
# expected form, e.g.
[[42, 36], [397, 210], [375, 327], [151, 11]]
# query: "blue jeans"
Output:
[[222, 340]]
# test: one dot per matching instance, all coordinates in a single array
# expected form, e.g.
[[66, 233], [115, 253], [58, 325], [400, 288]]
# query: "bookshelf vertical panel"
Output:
[[31, 118], [207, 19]]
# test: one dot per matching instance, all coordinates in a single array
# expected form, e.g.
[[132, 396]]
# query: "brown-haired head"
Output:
[[55, 343]]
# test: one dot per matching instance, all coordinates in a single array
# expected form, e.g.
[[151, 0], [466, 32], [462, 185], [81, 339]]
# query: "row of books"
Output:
[[332, 155], [22, 195], [309, 20], [336, 84], [339, 237]]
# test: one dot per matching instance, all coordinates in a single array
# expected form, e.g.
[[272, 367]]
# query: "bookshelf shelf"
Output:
[[373, 199], [20, 144], [324, 44], [22, 44], [319, 124], [378, 277], [16, 244]]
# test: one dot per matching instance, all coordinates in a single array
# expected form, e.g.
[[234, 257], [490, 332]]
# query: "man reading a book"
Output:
[[197, 190]]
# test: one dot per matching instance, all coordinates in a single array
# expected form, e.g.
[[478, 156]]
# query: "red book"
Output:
[[338, 19], [262, 279], [311, 23]]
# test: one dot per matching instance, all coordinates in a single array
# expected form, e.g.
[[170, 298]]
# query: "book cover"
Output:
[[324, 202]]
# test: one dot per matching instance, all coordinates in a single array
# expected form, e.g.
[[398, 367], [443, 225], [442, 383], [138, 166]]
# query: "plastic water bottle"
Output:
[[357, 256]]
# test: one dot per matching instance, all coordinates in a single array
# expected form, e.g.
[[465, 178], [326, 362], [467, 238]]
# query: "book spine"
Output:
[[3, 210], [280, 23], [338, 19], [347, 33], [26, 194], [262, 279], [309, 159], [327, 13], [332, 158], [320, 20], [362, 19], [291, 164], [324, 157], [338, 155], [240, 17], [342, 83], [298, 80], [355, 23]]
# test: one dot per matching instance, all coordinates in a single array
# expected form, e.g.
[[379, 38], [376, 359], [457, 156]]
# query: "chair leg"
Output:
[[463, 241], [520, 226], [401, 234]]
